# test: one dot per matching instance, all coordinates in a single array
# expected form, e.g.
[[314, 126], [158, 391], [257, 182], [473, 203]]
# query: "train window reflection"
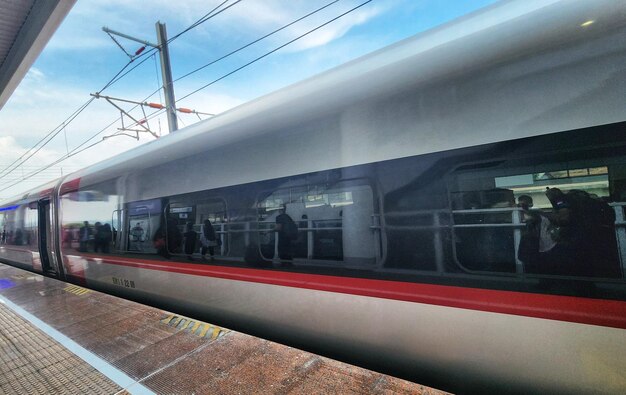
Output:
[[594, 181], [556, 222], [185, 225], [88, 221], [216, 212], [143, 221], [333, 223]]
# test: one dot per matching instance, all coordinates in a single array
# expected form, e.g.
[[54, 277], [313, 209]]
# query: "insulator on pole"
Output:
[[141, 122], [185, 110], [156, 105], [140, 50]]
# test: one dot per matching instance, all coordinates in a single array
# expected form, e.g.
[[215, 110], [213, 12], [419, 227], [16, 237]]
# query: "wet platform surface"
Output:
[[63, 339]]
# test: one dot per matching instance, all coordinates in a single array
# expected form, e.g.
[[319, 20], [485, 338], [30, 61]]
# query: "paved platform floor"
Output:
[[58, 338]]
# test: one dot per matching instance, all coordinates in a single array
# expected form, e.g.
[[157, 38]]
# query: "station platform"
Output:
[[60, 338]]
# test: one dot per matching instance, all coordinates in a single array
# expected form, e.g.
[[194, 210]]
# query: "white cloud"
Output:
[[43, 101], [332, 31], [34, 74], [9, 174], [247, 18], [24, 122]]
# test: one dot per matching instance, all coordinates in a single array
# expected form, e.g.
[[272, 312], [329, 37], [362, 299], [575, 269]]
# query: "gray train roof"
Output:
[[518, 69]]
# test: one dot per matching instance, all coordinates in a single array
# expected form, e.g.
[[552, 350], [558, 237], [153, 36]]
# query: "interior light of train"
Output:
[[585, 24]]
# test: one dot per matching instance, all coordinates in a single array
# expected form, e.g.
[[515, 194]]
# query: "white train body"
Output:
[[398, 168]]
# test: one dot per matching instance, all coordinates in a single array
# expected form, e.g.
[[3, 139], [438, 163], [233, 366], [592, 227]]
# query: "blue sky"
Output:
[[80, 58]]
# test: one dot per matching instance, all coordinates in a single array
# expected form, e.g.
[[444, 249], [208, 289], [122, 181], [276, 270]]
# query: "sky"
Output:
[[80, 59]]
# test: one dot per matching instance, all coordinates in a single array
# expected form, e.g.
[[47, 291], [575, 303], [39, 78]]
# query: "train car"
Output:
[[449, 209]]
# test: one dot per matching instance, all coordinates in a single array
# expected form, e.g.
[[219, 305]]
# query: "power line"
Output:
[[76, 150], [73, 152], [205, 18], [260, 57], [46, 139], [46, 167], [54, 132], [256, 41], [243, 47], [274, 50], [211, 14]]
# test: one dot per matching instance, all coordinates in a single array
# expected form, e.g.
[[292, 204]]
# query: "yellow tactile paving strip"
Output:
[[33, 363], [153, 349], [198, 328], [76, 290]]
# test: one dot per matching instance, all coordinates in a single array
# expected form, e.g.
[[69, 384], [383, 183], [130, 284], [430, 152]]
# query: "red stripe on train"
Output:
[[609, 313]]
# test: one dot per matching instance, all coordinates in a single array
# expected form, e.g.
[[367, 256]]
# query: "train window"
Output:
[[186, 214], [88, 217], [594, 181], [18, 224], [556, 221], [143, 221], [416, 221], [216, 212], [31, 226], [333, 223], [19, 233]]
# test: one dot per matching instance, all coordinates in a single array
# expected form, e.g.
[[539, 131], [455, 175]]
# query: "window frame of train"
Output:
[[188, 204], [512, 179], [13, 215], [140, 211], [302, 198]]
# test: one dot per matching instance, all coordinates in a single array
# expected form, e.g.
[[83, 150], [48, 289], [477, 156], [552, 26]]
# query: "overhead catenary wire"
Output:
[[264, 55], [255, 41], [244, 46], [159, 85], [153, 50], [54, 132], [44, 141], [76, 150], [274, 50], [73, 152], [48, 166], [267, 53], [207, 17], [204, 18]]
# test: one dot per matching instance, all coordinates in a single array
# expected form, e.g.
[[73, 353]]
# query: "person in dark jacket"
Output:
[[287, 232], [208, 239], [190, 240]]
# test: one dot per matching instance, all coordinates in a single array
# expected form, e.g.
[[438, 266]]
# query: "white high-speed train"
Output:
[[403, 171]]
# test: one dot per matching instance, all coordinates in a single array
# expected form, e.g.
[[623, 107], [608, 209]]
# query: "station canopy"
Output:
[[25, 28]]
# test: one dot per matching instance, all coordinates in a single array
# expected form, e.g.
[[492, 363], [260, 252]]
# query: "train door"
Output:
[[45, 235]]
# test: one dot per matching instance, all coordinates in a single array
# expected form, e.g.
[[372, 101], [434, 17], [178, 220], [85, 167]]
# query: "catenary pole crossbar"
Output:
[[166, 71]]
